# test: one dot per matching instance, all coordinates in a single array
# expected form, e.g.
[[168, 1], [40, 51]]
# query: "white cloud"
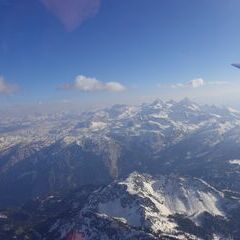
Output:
[[6, 88], [114, 87], [88, 84], [195, 83]]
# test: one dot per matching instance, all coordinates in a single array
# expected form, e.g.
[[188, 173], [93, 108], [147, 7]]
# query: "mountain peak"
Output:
[[186, 101]]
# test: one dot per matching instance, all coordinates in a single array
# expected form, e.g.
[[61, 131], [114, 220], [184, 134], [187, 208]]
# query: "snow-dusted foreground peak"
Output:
[[147, 207], [174, 195]]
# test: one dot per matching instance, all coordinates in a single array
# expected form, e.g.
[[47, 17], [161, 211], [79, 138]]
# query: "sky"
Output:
[[100, 52]]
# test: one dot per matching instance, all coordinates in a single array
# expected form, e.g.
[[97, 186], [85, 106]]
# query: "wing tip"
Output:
[[237, 65]]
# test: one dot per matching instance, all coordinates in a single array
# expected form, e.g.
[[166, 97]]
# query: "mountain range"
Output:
[[160, 170]]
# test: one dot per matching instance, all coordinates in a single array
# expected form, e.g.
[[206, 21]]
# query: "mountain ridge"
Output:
[[61, 152]]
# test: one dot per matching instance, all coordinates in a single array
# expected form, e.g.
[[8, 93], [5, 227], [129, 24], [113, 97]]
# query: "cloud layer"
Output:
[[89, 84], [196, 83], [72, 13], [6, 88]]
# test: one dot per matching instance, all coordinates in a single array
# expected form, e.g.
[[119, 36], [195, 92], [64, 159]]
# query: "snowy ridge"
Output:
[[158, 117], [235, 161], [178, 195], [143, 202]]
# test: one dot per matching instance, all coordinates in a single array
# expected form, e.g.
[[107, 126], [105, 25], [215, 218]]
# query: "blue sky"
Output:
[[150, 48]]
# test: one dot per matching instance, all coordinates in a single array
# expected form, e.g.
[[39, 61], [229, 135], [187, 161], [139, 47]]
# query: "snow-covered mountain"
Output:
[[163, 170], [147, 207], [42, 154]]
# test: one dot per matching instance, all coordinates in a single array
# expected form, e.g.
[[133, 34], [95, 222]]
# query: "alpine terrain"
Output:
[[160, 170]]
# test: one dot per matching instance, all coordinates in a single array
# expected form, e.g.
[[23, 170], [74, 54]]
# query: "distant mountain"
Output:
[[44, 154]]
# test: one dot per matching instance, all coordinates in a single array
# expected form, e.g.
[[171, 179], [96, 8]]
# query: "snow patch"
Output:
[[97, 125], [236, 161], [114, 209]]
